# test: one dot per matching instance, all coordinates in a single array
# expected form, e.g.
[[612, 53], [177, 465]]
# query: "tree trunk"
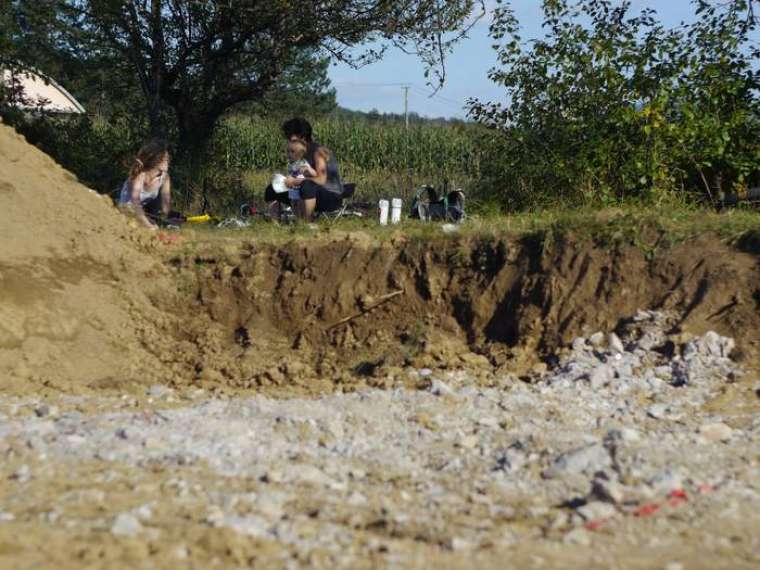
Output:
[[195, 130]]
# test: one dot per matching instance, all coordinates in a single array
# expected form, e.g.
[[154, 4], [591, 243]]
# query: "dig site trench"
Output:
[[347, 310]]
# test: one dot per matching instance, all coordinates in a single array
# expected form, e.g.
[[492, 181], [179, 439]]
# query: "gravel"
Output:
[[599, 436]]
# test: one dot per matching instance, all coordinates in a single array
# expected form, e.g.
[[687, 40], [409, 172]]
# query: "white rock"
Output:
[[665, 481], [458, 543], [600, 376], [614, 343], [629, 435], [488, 422], [22, 474], [440, 388], [597, 339], [469, 441], [579, 344], [145, 512], [589, 458], [608, 490], [126, 524], [579, 536], [715, 432], [657, 411], [305, 473], [596, 510]]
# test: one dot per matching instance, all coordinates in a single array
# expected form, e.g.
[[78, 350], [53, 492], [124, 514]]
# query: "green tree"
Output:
[[194, 60], [302, 89], [611, 104]]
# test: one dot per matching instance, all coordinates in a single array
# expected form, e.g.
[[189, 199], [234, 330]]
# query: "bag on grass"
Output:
[[427, 206]]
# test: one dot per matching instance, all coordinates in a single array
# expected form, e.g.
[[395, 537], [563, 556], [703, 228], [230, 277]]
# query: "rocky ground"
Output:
[[629, 451]]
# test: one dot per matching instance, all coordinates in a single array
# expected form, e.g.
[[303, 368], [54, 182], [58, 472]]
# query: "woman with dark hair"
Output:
[[147, 190], [320, 188]]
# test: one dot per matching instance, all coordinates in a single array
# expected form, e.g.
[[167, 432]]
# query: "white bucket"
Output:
[[384, 207], [396, 210]]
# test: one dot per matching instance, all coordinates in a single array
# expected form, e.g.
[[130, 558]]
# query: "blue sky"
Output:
[[377, 86]]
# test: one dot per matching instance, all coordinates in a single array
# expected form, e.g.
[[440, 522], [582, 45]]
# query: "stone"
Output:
[[596, 510], [663, 372], [614, 343], [439, 388], [609, 490], [458, 543], [629, 435], [22, 474], [657, 411], [144, 512], [469, 441], [715, 432], [305, 473], [665, 481], [43, 410], [126, 524], [589, 458], [579, 536], [579, 344], [157, 390], [600, 376], [488, 422], [152, 443], [425, 372], [596, 340]]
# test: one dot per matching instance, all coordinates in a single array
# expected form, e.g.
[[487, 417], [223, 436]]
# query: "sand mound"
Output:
[[74, 285]]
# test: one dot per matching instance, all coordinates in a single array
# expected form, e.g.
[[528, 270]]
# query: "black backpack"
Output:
[[427, 206]]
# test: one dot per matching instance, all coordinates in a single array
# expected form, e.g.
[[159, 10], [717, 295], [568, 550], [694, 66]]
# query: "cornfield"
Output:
[[430, 151]]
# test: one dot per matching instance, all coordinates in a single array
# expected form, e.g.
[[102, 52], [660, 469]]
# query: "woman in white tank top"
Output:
[[147, 191]]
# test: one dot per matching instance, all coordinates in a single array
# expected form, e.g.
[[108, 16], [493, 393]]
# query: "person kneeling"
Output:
[[147, 190]]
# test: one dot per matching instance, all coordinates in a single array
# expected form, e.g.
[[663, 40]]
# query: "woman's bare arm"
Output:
[[320, 166], [136, 185], [166, 196]]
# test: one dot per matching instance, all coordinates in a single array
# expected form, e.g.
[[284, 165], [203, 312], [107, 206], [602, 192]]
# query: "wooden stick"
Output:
[[373, 306]]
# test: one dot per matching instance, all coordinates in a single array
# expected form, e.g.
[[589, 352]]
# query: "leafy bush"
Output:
[[611, 106]]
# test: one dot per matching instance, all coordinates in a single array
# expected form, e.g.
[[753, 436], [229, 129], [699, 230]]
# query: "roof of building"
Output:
[[33, 90]]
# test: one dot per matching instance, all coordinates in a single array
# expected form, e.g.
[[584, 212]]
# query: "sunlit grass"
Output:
[[640, 226]]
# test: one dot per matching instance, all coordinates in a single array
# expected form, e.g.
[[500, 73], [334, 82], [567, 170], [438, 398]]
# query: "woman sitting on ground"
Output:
[[147, 190], [320, 188]]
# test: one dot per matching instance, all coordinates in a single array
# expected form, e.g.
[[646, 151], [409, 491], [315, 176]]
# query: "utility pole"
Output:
[[406, 106], [408, 156]]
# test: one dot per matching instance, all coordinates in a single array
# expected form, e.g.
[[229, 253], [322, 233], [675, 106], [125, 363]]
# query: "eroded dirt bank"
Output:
[[259, 316]]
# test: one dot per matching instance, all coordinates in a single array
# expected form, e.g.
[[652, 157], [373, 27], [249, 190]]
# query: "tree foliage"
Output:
[[196, 59], [611, 104]]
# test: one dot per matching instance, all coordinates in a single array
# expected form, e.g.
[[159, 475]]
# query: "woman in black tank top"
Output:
[[321, 188]]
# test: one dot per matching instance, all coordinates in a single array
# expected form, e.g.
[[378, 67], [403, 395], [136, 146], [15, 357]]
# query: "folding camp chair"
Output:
[[345, 202]]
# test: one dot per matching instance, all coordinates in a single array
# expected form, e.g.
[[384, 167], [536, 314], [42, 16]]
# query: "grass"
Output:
[[644, 227]]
